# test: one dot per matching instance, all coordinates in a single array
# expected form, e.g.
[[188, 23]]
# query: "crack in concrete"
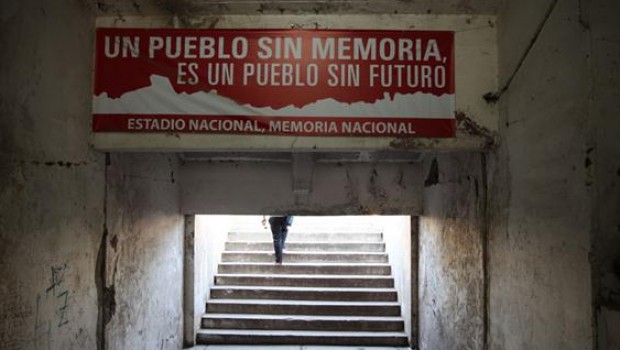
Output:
[[100, 285], [493, 97], [103, 293], [50, 163], [60, 163], [484, 230], [433, 174]]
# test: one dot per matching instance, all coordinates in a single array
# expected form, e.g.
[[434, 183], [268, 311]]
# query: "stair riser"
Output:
[[349, 274], [302, 340], [307, 246], [315, 270], [305, 282], [308, 237], [304, 295], [313, 310], [308, 325], [303, 258]]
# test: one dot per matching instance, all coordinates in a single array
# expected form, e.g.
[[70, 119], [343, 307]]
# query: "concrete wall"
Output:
[[604, 112], [475, 71], [211, 235], [82, 243], [251, 188], [451, 275], [398, 235], [191, 7], [541, 209], [51, 183], [144, 263], [86, 254]]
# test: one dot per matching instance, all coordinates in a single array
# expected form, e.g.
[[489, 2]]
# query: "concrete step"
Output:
[[303, 322], [293, 246], [295, 337], [310, 257], [309, 236], [302, 307], [305, 268], [353, 281], [332, 289], [303, 293]]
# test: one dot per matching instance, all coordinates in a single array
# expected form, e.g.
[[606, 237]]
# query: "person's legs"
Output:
[[284, 234], [276, 233]]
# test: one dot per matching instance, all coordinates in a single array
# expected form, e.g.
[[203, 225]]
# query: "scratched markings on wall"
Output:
[[52, 306], [60, 293]]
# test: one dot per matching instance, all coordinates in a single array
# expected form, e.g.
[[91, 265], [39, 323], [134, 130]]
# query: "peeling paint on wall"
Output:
[[451, 263], [540, 244], [471, 127], [141, 299]]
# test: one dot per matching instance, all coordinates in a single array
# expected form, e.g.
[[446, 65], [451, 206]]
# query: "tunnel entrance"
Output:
[[445, 211], [344, 280]]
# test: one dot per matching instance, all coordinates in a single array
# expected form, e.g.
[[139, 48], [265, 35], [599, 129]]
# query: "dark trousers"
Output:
[[279, 230]]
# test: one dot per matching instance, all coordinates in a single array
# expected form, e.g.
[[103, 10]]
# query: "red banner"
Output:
[[275, 82]]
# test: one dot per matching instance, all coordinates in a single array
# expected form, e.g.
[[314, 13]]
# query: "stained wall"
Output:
[[451, 253], [51, 182], [89, 243], [543, 187]]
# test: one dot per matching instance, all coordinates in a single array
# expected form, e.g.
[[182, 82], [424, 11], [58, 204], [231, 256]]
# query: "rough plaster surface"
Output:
[[451, 284], [525, 17], [144, 267], [51, 183], [539, 248], [187, 7], [51, 220], [53, 194], [267, 188], [608, 335], [604, 155], [475, 75], [554, 194], [46, 68]]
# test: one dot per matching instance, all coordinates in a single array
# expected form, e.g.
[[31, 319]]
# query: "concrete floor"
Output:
[[290, 347]]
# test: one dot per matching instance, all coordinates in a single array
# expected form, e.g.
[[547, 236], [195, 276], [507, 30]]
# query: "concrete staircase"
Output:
[[332, 289]]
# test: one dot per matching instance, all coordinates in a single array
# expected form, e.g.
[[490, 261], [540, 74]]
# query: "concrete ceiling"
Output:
[[219, 7]]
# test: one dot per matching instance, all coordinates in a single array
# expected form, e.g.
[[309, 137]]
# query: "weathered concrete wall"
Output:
[[475, 73], [192, 7], [451, 275], [54, 292], [349, 189], [51, 183], [604, 170], [211, 233], [397, 235], [540, 289], [144, 263]]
